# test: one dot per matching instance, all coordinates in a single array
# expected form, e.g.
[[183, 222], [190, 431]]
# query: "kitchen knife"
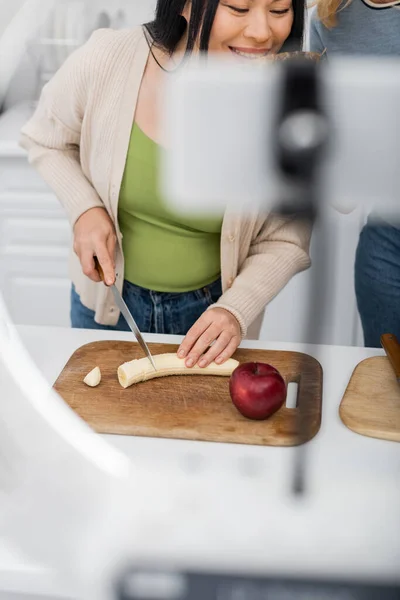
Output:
[[127, 315], [391, 346]]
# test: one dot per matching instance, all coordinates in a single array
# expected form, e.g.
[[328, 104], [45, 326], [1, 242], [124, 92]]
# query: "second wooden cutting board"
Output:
[[194, 407], [371, 402]]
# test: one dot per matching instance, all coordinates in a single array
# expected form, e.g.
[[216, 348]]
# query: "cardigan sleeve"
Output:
[[278, 252]]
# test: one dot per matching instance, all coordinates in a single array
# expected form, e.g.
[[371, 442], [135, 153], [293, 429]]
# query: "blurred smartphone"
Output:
[[219, 121]]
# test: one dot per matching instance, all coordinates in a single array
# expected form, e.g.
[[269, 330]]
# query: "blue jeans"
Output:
[[377, 281], [154, 312]]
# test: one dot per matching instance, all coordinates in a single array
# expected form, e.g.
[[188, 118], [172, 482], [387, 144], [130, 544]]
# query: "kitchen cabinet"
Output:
[[34, 236]]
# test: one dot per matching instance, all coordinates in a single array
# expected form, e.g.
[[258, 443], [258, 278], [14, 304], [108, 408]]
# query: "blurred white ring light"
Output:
[[23, 26], [59, 481]]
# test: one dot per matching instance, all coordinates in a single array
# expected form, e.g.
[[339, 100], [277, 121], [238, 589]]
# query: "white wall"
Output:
[[19, 73], [8, 8], [138, 10], [20, 25]]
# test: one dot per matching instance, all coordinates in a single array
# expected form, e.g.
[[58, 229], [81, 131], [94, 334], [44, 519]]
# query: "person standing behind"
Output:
[[367, 27]]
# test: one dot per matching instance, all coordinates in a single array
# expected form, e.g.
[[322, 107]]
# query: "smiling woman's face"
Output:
[[251, 28]]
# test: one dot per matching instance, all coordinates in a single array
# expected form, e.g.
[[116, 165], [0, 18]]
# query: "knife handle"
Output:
[[98, 268], [391, 346]]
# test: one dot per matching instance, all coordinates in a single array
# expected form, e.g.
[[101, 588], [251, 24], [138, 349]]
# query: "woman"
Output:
[[369, 28], [94, 139]]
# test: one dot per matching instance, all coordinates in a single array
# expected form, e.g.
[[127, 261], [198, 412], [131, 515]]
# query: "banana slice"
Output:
[[93, 378], [140, 369]]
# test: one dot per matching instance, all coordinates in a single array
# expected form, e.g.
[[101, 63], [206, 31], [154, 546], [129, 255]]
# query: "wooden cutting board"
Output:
[[371, 403], [188, 407]]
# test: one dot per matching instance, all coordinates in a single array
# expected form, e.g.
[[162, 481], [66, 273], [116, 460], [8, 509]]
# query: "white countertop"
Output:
[[335, 454]]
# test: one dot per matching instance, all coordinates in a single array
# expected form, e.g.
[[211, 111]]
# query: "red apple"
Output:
[[257, 390]]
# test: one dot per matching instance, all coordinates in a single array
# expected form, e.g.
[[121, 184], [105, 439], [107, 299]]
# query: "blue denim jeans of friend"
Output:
[[154, 312], [377, 280]]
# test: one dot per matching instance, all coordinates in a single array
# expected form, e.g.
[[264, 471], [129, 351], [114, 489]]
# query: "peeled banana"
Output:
[[141, 369], [93, 378]]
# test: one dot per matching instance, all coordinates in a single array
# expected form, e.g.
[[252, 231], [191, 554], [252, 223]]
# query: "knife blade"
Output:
[[391, 345], [127, 314]]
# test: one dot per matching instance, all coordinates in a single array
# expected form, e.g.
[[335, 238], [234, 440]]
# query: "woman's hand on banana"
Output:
[[214, 337], [94, 235]]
